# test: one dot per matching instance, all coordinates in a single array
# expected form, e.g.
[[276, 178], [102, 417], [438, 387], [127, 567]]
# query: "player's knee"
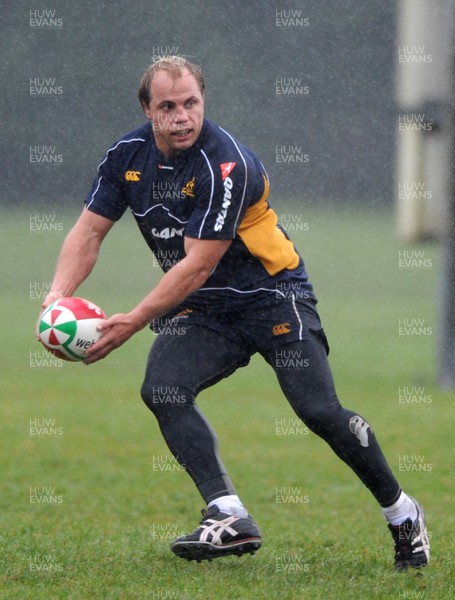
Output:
[[324, 417], [162, 397]]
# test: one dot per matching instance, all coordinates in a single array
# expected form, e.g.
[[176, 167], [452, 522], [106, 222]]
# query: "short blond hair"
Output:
[[174, 66]]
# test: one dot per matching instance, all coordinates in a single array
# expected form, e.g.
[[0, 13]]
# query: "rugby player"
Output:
[[235, 284]]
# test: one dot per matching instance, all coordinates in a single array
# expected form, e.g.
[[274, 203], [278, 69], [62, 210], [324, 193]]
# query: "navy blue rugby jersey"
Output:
[[215, 190]]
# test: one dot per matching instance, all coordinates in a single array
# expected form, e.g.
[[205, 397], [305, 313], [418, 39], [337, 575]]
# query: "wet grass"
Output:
[[81, 438]]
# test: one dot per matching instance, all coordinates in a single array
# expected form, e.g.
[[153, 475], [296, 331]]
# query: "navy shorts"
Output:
[[255, 329]]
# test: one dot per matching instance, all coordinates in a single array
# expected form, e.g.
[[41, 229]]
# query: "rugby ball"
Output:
[[67, 327]]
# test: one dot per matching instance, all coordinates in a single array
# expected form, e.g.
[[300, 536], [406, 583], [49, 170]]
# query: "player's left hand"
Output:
[[115, 331]]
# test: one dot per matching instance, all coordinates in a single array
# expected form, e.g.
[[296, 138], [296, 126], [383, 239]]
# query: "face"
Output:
[[176, 112]]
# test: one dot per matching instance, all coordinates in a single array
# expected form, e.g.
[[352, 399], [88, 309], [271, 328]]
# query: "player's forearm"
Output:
[[77, 258], [176, 285], [185, 278]]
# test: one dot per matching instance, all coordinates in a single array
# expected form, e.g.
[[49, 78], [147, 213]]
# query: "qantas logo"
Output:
[[227, 183], [226, 168], [168, 232]]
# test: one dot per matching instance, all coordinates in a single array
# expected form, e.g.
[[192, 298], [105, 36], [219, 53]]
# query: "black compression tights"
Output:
[[179, 367]]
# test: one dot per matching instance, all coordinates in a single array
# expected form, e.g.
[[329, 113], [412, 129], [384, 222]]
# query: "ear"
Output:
[[147, 111]]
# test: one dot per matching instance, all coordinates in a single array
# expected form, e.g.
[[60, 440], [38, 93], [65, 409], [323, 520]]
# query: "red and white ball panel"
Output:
[[68, 327]]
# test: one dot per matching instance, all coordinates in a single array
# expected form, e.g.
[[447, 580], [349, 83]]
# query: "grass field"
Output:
[[90, 498]]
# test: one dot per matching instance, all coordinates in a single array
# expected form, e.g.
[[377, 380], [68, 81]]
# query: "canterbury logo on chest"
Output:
[[132, 176]]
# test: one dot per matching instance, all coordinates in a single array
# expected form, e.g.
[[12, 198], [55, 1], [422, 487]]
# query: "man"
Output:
[[238, 285]]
